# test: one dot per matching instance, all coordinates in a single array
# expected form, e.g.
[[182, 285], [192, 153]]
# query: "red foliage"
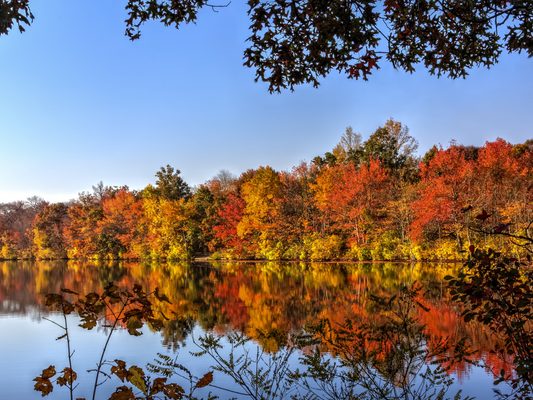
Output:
[[230, 214], [447, 187]]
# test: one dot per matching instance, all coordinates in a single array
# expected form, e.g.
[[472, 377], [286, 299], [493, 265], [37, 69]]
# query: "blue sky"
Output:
[[80, 103]]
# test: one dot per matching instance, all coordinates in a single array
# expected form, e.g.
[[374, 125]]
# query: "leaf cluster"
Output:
[[15, 11], [130, 308], [295, 42], [137, 377], [497, 291]]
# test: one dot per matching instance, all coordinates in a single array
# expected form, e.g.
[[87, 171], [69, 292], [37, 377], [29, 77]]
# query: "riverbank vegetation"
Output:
[[363, 200]]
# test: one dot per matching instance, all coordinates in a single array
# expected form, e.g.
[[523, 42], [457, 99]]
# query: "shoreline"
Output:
[[205, 259]]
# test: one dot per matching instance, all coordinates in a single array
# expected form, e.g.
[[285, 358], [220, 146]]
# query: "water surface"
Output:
[[220, 298]]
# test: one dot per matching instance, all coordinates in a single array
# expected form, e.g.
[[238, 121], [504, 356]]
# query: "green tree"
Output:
[[169, 185], [430, 155], [300, 41], [380, 145], [49, 231], [206, 205]]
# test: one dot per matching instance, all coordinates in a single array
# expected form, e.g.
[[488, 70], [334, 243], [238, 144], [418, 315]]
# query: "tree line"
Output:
[[363, 200]]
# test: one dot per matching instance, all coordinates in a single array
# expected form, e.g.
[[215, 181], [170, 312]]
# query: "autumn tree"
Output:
[[352, 197], [261, 194], [403, 190], [298, 209], [172, 232], [297, 42], [243, 178], [503, 179], [122, 215], [350, 142], [17, 217], [9, 244], [207, 205], [82, 232], [447, 189], [225, 232], [49, 231]]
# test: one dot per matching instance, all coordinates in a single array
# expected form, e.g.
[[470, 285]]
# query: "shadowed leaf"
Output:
[[206, 380], [122, 393], [133, 324], [89, 322], [158, 386], [173, 391], [53, 298], [68, 377], [120, 370]]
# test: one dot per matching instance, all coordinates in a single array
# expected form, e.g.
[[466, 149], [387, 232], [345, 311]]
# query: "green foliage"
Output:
[[169, 185], [331, 160], [382, 145], [430, 154]]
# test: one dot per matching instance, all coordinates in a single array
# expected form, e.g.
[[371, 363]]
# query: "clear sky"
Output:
[[80, 103]]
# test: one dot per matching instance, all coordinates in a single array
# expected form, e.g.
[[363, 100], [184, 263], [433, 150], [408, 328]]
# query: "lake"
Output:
[[219, 298]]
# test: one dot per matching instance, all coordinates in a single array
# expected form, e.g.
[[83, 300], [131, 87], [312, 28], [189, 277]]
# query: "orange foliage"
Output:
[[348, 195], [122, 214]]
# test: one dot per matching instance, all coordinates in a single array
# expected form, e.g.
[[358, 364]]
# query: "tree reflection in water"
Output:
[[251, 298]]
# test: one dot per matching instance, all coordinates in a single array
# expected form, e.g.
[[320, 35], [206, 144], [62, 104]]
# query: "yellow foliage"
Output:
[[167, 225], [324, 186], [447, 250], [260, 195], [43, 246], [324, 247], [9, 252], [361, 253]]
